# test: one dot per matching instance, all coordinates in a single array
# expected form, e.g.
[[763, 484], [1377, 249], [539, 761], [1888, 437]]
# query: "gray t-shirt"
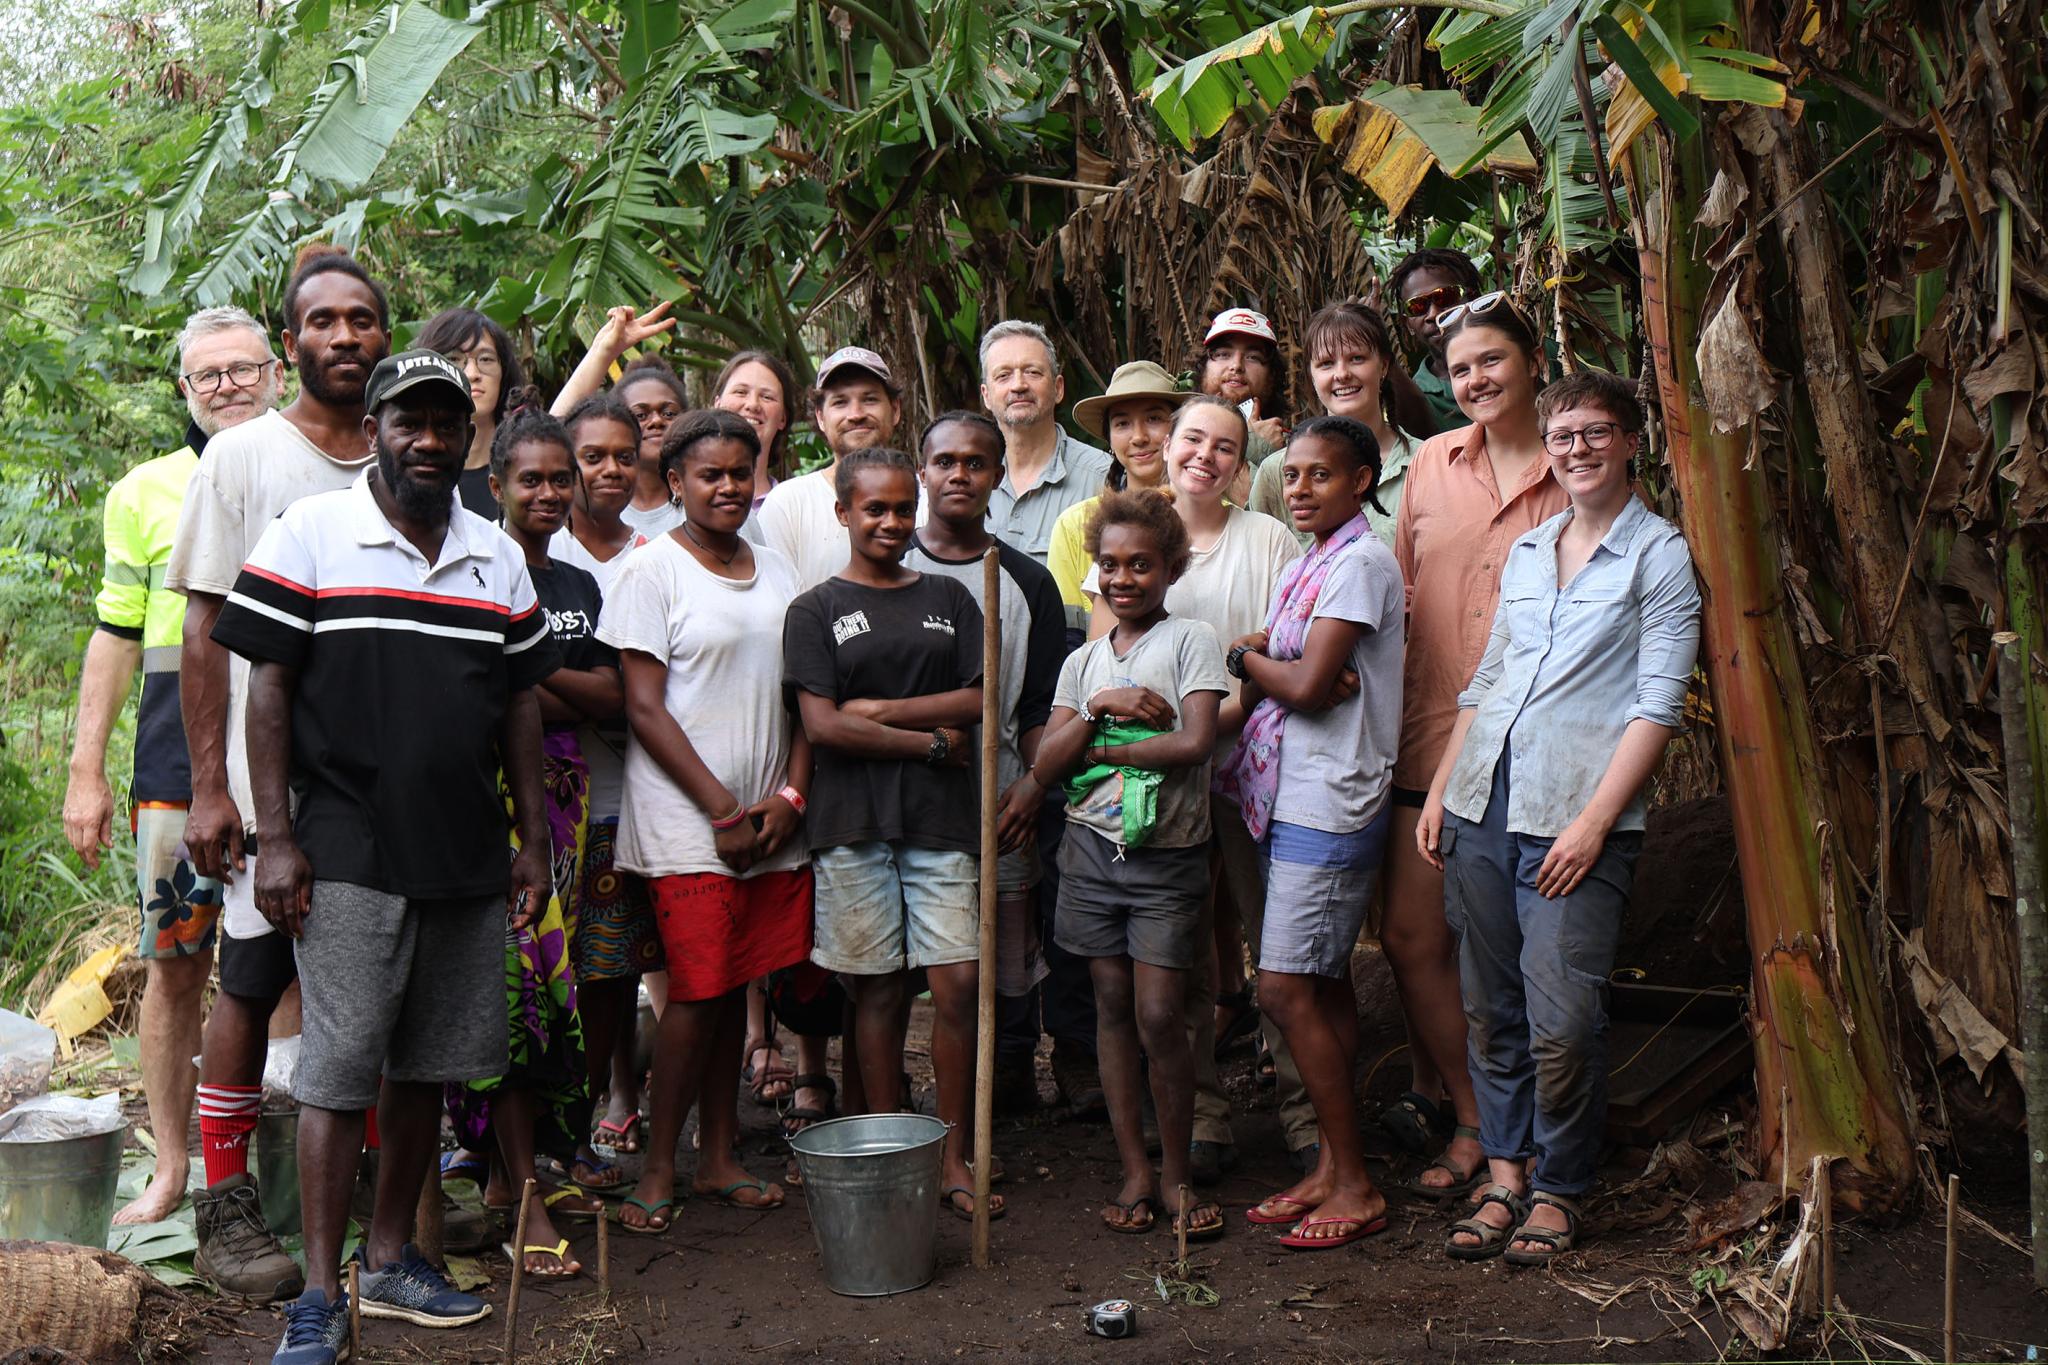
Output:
[[1336, 766], [1178, 656]]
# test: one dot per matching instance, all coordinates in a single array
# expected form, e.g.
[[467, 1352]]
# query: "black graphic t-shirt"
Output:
[[847, 641], [573, 602]]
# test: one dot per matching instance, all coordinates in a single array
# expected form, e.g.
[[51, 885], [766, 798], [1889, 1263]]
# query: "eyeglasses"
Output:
[[241, 376], [486, 362], [1485, 303], [1434, 300], [1598, 436]]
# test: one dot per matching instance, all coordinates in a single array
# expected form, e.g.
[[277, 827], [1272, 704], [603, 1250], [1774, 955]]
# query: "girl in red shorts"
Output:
[[715, 776]]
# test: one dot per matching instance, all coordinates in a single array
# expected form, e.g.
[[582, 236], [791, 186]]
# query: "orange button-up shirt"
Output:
[[1455, 531]]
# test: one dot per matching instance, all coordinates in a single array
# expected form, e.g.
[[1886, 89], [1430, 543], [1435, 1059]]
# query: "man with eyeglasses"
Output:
[[227, 375], [1424, 284]]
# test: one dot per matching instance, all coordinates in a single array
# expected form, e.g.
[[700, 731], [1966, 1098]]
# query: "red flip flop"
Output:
[[1359, 1231], [1301, 1206]]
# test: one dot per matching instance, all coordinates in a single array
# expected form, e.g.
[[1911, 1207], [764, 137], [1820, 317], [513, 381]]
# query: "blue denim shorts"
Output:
[[1318, 886], [886, 906]]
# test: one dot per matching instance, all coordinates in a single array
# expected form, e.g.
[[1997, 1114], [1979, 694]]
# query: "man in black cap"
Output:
[[395, 640]]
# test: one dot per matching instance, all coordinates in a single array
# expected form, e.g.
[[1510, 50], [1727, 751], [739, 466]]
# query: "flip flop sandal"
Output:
[[1360, 1228], [1208, 1232], [1268, 1220], [1130, 1226], [597, 1166], [1266, 1073], [804, 1115], [1411, 1121], [560, 1251], [617, 1136], [1462, 1182], [550, 1198], [1492, 1240], [1243, 1019], [995, 1211], [660, 1208], [776, 1072], [725, 1196], [1554, 1244], [465, 1165]]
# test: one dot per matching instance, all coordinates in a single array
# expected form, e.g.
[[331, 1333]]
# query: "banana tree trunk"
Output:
[[1825, 1082]]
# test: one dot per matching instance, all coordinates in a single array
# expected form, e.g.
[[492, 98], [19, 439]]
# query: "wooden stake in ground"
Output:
[[1948, 1279], [604, 1258], [985, 1013], [1182, 1223], [355, 1309], [518, 1274]]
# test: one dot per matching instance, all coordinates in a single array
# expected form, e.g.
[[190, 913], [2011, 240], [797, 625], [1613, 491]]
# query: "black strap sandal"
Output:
[[797, 1117], [1492, 1240], [1244, 1017], [1553, 1244], [1412, 1121]]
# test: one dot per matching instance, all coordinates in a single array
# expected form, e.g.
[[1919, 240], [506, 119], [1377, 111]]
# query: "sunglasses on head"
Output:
[[1431, 300], [1485, 303]]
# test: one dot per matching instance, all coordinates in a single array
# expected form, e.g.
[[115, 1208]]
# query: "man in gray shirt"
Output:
[[1047, 471]]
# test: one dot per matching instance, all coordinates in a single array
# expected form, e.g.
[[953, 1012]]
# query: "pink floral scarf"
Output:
[[1253, 768]]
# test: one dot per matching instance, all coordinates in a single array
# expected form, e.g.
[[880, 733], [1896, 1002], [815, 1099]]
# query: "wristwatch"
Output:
[[941, 746], [1233, 662]]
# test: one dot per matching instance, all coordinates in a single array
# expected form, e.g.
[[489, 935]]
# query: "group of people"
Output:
[[463, 714]]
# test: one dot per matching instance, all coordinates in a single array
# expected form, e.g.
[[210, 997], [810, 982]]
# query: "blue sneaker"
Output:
[[315, 1331], [411, 1290]]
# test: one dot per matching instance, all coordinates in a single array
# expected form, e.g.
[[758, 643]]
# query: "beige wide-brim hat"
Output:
[[1135, 379]]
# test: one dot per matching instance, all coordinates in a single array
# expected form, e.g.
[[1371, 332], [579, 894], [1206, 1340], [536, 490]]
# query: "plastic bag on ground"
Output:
[[27, 1052], [280, 1066], [52, 1118]]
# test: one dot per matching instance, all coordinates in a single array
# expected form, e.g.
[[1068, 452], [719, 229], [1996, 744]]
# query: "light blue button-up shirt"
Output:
[[1025, 520], [1566, 669]]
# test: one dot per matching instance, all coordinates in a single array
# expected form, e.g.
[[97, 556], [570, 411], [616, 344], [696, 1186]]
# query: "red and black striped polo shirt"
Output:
[[404, 668]]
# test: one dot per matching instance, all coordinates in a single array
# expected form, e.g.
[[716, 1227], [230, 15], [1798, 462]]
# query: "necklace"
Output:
[[724, 562]]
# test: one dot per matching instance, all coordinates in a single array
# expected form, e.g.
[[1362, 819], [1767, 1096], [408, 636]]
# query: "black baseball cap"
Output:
[[408, 370]]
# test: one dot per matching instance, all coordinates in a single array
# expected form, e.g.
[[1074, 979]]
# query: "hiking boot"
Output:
[[1016, 1086], [1079, 1084], [315, 1331], [237, 1254], [411, 1290], [1209, 1162]]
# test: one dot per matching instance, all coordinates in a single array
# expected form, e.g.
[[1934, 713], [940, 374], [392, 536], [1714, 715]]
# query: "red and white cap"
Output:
[[1244, 322], [854, 357]]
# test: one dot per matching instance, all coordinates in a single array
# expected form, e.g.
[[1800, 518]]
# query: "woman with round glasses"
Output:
[[484, 351], [1469, 494], [1535, 814]]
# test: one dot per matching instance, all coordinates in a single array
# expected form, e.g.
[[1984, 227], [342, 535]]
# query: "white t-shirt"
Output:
[[652, 521], [247, 477], [722, 640], [799, 519], [1229, 586], [604, 746]]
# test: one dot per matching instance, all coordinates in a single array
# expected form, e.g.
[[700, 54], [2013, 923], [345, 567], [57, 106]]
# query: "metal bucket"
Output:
[[61, 1191], [872, 1185], [277, 1170]]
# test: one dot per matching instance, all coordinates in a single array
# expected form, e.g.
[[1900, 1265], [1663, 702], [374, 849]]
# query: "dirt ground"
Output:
[[731, 1285]]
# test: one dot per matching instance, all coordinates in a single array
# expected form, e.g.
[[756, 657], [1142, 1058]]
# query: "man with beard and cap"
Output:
[[382, 847], [227, 376], [857, 404], [336, 327]]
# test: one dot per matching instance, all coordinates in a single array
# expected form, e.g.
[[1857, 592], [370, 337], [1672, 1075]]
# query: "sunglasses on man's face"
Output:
[[1485, 303], [1434, 300]]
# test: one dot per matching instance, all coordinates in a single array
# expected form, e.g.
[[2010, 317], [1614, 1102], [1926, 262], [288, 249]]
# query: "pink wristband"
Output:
[[794, 797], [733, 821]]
